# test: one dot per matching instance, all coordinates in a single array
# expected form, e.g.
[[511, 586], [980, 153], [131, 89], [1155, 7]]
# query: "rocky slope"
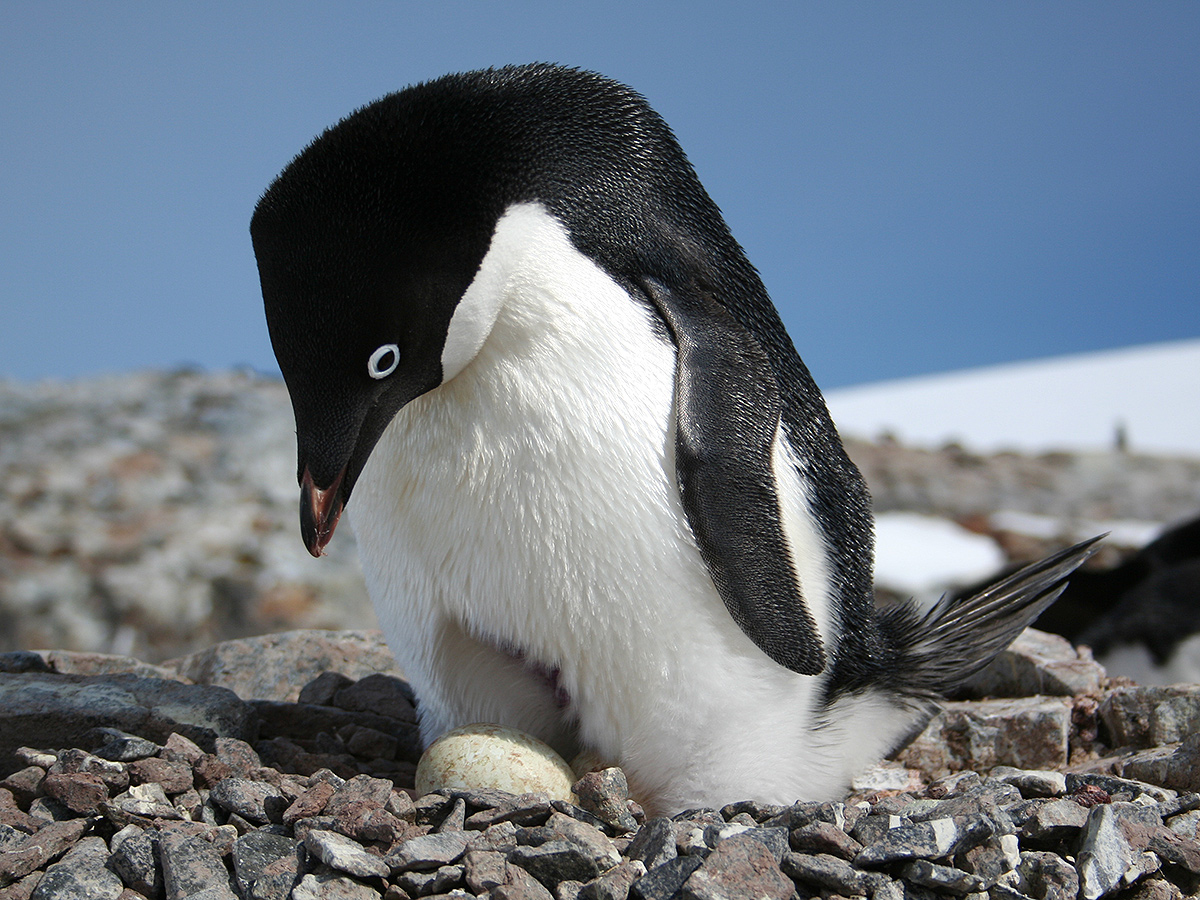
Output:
[[154, 514]]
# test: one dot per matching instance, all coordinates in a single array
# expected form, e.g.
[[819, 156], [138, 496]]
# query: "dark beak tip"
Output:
[[320, 509]]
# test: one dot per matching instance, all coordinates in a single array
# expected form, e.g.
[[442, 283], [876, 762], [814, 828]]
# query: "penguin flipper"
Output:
[[728, 411], [941, 648]]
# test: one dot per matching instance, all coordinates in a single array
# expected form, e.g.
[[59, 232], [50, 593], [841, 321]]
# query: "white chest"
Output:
[[532, 495]]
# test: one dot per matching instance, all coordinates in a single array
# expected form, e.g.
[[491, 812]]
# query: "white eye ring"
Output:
[[383, 361]]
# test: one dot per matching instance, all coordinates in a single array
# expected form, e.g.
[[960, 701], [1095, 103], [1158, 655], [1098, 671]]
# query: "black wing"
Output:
[[728, 411]]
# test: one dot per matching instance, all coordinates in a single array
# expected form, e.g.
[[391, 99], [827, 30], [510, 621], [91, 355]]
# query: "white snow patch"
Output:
[[924, 555], [1135, 661], [1133, 533], [1148, 394]]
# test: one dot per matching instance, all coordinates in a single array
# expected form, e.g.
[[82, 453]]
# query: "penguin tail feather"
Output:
[[938, 649]]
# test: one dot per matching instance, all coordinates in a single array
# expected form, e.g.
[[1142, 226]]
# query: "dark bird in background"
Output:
[[1151, 600]]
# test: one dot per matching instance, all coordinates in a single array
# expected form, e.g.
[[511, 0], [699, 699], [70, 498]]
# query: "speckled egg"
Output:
[[493, 756]]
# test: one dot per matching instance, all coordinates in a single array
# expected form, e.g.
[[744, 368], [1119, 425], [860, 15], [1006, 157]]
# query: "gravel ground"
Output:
[[1085, 789]]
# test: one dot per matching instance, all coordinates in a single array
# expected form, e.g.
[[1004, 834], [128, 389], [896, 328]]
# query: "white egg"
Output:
[[493, 756]]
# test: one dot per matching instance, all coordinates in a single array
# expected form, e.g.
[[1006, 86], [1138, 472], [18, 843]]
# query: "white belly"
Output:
[[524, 517]]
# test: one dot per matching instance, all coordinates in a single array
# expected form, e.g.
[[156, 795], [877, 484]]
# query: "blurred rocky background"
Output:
[[154, 514]]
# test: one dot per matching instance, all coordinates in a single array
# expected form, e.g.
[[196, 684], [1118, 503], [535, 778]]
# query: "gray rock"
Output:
[[654, 843], [126, 747], [985, 801], [1113, 785], [80, 875], [276, 666], [379, 693], [936, 839], [1183, 767], [605, 794], [255, 801], [821, 837], [255, 851], [739, 867], [135, 859], [141, 804], [1152, 715], [1140, 814], [456, 819], [992, 860], [886, 775], [578, 812], [321, 690], [49, 809], [58, 710], [613, 884], [521, 886], [1148, 766], [332, 886], [1047, 876], [1026, 733], [759, 812], [556, 861], [523, 809], [944, 879], [1054, 820], [825, 872], [1186, 824], [430, 851], [1105, 858], [664, 881], [1037, 663], [439, 881], [1032, 783], [192, 868], [587, 837], [340, 852], [501, 837], [887, 889], [798, 815], [484, 870], [35, 850], [1002, 892], [9, 837], [871, 828]]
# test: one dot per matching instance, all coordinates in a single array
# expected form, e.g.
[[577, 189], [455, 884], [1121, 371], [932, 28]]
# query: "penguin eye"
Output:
[[383, 361]]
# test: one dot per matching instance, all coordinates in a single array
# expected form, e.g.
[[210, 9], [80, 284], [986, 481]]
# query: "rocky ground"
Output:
[[167, 749], [283, 766], [154, 514]]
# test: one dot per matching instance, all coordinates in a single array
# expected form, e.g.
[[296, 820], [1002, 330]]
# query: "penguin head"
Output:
[[369, 238], [365, 245]]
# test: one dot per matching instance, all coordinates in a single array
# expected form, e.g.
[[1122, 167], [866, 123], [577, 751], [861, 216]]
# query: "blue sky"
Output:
[[923, 186]]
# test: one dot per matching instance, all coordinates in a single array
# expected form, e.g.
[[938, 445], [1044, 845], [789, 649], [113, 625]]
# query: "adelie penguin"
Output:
[[597, 495]]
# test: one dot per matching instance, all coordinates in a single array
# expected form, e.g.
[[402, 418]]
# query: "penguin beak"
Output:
[[320, 509]]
